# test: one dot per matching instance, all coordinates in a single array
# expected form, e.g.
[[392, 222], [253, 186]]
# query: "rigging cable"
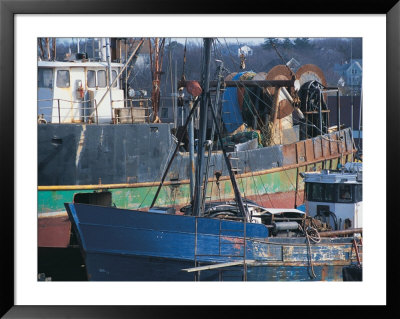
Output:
[[263, 130]]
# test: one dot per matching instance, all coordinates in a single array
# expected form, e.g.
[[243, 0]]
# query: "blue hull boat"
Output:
[[129, 245]]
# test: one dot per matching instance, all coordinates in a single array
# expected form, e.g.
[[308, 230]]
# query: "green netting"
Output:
[[242, 137]]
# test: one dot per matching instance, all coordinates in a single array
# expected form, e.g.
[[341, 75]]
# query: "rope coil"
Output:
[[311, 233]]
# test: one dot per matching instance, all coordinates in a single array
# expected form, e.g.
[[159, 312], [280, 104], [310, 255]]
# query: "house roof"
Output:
[[344, 67], [245, 47]]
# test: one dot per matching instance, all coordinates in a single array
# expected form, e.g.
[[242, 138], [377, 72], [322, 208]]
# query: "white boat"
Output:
[[335, 196]]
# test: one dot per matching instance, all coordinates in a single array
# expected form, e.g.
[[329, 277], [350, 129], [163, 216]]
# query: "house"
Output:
[[246, 50], [350, 73]]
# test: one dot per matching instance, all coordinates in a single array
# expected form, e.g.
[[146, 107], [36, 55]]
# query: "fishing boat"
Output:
[[130, 245], [207, 240], [335, 196], [98, 138]]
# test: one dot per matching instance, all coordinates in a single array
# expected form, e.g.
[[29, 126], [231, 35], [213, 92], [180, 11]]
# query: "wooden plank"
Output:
[[251, 83], [301, 152], [317, 147], [289, 154], [220, 265]]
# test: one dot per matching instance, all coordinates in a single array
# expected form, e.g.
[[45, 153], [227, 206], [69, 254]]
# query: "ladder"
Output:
[[235, 163]]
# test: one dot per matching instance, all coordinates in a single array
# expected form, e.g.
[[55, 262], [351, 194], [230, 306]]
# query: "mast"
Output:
[[205, 102], [202, 127], [103, 49], [156, 67], [214, 106], [54, 49], [174, 154], [109, 74], [359, 124], [191, 154], [41, 48], [175, 90], [238, 196], [47, 42], [126, 74]]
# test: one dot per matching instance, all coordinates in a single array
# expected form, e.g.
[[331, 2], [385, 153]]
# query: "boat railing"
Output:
[[86, 111]]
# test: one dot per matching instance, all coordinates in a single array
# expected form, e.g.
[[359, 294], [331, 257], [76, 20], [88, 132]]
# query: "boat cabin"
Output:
[[72, 92], [335, 197]]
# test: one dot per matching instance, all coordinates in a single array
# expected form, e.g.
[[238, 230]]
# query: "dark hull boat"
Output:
[[119, 244], [107, 163]]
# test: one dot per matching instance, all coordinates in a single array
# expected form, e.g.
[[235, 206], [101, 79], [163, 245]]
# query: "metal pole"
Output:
[[109, 75], [120, 51], [54, 49], [126, 74], [202, 127], [59, 115], [191, 154], [258, 91], [338, 109], [93, 50], [359, 122], [175, 85], [103, 50], [352, 117], [320, 112], [238, 196], [173, 155], [348, 231], [97, 115], [255, 83], [173, 92], [214, 106]]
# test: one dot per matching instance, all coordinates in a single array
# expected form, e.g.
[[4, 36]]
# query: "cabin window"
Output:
[[45, 78], [114, 76], [317, 192], [91, 79], [358, 192], [345, 195], [63, 79], [329, 192], [314, 192], [101, 79]]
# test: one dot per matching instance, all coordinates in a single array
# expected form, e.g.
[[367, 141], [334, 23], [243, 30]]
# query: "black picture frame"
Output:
[[9, 8]]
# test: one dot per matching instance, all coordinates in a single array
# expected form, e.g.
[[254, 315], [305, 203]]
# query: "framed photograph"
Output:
[[45, 44]]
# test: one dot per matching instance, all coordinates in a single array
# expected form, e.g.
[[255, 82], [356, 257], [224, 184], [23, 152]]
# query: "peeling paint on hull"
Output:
[[164, 269], [49, 237], [142, 246]]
